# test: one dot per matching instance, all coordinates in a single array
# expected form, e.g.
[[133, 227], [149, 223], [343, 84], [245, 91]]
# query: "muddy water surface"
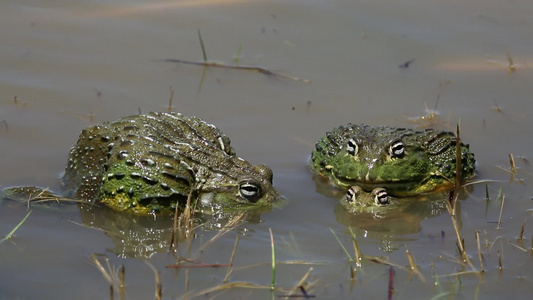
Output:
[[67, 64]]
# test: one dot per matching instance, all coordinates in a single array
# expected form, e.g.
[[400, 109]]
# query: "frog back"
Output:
[[142, 158]]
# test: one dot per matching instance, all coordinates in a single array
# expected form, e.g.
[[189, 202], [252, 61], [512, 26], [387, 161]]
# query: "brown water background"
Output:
[[67, 64]]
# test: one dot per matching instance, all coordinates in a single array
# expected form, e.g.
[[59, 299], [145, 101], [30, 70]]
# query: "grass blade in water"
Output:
[[10, 234]]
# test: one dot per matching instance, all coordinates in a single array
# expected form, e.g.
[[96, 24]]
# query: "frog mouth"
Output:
[[395, 188], [378, 182]]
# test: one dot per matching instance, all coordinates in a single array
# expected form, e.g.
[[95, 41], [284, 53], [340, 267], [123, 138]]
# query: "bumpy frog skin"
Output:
[[405, 162], [147, 164]]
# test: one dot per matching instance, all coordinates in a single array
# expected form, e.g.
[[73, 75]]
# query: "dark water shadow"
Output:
[[143, 236], [137, 236]]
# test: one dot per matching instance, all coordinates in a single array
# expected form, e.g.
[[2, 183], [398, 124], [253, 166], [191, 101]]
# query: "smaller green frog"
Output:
[[358, 200]]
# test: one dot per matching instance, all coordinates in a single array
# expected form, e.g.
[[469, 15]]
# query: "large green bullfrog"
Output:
[[405, 162], [148, 164]]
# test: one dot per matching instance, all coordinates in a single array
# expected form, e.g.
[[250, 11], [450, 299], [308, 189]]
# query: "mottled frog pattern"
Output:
[[148, 164], [405, 162]]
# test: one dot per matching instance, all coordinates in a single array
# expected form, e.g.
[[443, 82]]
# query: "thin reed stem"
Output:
[[10, 234], [273, 281], [357, 251], [202, 45], [480, 255], [230, 267], [501, 212], [342, 246]]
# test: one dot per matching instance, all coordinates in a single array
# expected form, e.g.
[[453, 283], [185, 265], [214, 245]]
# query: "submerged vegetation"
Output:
[[10, 234]]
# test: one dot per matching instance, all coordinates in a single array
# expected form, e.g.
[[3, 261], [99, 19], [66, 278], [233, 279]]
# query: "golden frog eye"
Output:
[[352, 147], [250, 191], [397, 149]]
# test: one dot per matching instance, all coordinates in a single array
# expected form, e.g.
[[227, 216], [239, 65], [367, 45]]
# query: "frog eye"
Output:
[[250, 191], [381, 197], [397, 149], [352, 193], [352, 147]]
